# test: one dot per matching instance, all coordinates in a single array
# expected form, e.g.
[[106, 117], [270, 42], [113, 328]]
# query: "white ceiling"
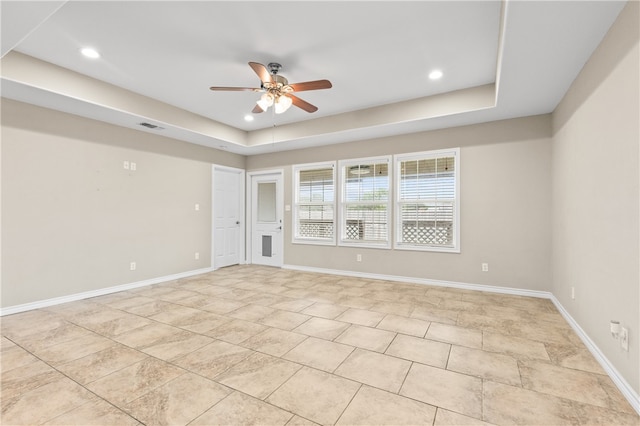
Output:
[[500, 60]]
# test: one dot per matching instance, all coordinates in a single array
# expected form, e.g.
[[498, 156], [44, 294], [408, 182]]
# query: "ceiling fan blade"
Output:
[[237, 89], [262, 72], [257, 110], [302, 104], [311, 85]]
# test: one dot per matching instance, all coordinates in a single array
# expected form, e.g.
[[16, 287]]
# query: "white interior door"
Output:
[[266, 219], [228, 215]]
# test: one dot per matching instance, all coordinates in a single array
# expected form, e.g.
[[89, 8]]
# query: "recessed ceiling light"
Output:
[[435, 74], [248, 117], [90, 52]]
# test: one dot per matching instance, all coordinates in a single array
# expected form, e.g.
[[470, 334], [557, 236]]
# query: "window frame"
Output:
[[343, 204], [296, 169], [426, 155]]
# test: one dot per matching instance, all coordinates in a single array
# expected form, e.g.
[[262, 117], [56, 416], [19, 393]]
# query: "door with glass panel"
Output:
[[266, 219]]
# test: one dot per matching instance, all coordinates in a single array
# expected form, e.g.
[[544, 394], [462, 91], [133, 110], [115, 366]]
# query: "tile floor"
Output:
[[256, 345]]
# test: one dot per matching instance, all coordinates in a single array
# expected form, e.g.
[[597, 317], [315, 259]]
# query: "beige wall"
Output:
[[505, 197], [73, 218], [596, 243]]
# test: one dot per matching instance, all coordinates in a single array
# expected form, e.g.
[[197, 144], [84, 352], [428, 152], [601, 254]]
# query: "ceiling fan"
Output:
[[277, 91]]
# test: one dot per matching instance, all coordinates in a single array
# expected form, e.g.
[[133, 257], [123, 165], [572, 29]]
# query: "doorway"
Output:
[[266, 200], [228, 217]]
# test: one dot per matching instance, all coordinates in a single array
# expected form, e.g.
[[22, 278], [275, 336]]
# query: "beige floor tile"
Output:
[[284, 320], [430, 313], [214, 359], [274, 341], [134, 381], [322, 328], [361, 317], [176, 295], [25, 378], [504, 404], [44, 339], [449, 418], [151, 308], [177, 402], [366, 338], [420, 350], [453, 334], [95, 413], [100, 364], [563, 382], [575, 357], [240, 294], [74, 349], [300, 421], [319, 353], [179, 315], [17, 326], [14, 357], [240, 409], [187, 322], [315, 395], [378, 370], [515, 346], [258, 375], [592, 415], [354, 302], [236, 331], [402, 309], [293, 305], [404, 325], [129, 302], [487, 365], [251, 312], [148, 335], [223, 306], [616, 400], [372, 406], [324, 310], [447, 389], [51, 400]]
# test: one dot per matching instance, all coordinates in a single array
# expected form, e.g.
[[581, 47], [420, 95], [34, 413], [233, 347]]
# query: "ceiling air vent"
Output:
[[151, 126]]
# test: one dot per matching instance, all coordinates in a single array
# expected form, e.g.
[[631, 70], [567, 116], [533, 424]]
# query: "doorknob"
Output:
[[280, 228], [237, 222]]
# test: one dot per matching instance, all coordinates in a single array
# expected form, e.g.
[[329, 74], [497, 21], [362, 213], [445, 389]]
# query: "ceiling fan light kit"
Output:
[[277, 91]]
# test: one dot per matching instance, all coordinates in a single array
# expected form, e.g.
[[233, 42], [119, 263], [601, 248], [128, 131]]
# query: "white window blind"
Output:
[[365, 202], [315, 203], [427, 201]]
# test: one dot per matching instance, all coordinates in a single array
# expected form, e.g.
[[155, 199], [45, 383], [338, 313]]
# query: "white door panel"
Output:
[[227, 217], [266, 219]]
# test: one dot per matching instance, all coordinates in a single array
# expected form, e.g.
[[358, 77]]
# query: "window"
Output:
[[427, 203], [365, 202], [314, 203]]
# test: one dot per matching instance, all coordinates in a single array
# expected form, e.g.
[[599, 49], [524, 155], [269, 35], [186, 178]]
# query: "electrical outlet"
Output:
[[197, 207], [133, 166], [485, 267], [358, 258], [125, 165], [132, 266], [197, 256], [624, 339], [573, 293]]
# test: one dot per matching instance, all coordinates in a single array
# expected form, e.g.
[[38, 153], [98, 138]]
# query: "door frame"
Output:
[[241, 209], [249, 212]]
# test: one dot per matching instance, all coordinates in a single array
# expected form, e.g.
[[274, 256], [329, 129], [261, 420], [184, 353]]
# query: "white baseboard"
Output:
[[99, 292], [425, 281], [629, 393], [632, 396]]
